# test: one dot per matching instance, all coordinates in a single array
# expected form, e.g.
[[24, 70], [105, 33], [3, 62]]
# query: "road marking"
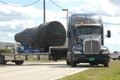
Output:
[[70, 74]]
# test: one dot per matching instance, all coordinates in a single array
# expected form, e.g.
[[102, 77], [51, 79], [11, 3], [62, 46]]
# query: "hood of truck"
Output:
[[90, 37]]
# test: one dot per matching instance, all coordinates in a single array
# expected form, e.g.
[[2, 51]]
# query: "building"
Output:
[[5, 45]]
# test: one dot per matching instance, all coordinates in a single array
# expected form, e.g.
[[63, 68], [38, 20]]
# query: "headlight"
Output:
[[77, 50]]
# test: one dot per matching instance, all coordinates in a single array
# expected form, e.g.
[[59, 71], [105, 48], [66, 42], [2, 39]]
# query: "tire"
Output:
[[19, 62], [2, 59], [67, 61], [114, 59], [106, 64]]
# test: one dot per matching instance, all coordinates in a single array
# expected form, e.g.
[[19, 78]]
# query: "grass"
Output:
[[98, 73]]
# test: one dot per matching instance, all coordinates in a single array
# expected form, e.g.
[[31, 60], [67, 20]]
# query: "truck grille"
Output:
[[91, 47]]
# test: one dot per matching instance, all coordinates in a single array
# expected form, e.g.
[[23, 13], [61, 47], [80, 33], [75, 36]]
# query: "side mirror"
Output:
[[108, 33]]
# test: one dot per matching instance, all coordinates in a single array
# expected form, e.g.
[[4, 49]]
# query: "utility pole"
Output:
[[44, 16], [66, 25], [66, 17]]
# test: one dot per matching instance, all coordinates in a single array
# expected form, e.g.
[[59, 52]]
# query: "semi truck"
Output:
[[86, 40]]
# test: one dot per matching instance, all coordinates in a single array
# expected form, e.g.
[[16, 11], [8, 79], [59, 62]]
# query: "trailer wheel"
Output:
[[2, 59], [19, 62]]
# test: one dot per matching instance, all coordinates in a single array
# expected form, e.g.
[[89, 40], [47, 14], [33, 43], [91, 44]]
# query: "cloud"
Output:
[[56, 16], [15, 19], [115, 2], [114, 41], [65, 1], [97, 6], [9, 13]]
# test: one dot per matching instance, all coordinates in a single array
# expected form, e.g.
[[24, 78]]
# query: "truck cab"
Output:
[[86, 40]]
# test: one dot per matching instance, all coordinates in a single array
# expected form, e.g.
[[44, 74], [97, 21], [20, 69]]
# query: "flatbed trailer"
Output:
[[57, 52], [4, 61]]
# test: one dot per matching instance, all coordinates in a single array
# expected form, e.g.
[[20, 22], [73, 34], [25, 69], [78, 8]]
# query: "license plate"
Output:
[[91, 59]]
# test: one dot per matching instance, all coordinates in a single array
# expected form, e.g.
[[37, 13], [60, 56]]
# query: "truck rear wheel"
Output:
[[67, 61], [114, 59]]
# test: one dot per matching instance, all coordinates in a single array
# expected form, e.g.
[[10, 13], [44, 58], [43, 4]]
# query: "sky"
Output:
[[14, 18]]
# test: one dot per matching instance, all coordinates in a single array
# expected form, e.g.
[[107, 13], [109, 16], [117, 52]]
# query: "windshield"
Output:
[[88, 31], [77, 19]]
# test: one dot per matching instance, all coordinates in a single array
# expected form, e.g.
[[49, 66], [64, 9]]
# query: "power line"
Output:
[[55, 4], [58, 5], [113, 23], [20, 6]]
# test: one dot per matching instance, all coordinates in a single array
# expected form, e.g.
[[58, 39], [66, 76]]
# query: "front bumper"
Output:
[[85, 58]]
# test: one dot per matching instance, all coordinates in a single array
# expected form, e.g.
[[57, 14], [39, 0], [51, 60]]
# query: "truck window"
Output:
[[90, 20], [88, 31]]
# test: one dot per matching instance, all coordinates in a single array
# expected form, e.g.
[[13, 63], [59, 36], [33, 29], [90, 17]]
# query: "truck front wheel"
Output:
[[67, 61], [106, 64]]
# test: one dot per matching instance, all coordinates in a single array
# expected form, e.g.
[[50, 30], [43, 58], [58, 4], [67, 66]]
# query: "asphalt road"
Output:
[[38, 71]]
